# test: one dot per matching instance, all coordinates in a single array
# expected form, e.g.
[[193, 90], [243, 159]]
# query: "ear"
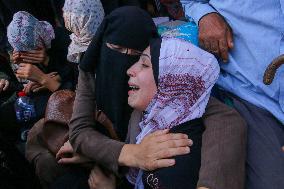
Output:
[[92, 55]]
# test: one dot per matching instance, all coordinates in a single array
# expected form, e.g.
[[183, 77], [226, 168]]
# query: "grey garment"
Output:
[[83, 137], [46, 167], [223, 150], [265, 159]]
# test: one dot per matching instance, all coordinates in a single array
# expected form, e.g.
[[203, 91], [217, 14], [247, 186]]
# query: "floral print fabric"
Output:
[[82, 18], [26, 33]]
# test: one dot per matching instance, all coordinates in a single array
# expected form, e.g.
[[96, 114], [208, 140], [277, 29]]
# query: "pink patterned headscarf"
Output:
[[186, 77], [26, 33]]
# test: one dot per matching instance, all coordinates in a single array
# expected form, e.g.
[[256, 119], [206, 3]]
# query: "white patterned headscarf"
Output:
[[186, 76], [26, 33], [82, 18]]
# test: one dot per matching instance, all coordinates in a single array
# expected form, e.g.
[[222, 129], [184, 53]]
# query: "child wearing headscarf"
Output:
[[184, 76], [38, 58], [82, 18]]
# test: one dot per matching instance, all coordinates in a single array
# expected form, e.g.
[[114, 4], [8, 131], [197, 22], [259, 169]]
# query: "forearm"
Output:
[[197, 9], [83, 137]]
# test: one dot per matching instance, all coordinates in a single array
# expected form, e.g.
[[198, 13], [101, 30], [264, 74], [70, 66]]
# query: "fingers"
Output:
[[32, 60], [29, 71], [33, 87], [214, 47], [16, 57], [215, 35], [27, 88], [207, 45], [66, 160], [161, 163], [223, 49], [33, 56], [171, 152], [38, 88], [98, 179], [23, 70], [3, 84], [92, 180], [65, 149], [6, 85], [170, 136], [229, 38], [176, 143], [92, 183], [160, 132], [52, 74]]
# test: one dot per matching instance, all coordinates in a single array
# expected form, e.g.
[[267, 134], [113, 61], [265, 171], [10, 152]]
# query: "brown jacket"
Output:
[[83, 137]]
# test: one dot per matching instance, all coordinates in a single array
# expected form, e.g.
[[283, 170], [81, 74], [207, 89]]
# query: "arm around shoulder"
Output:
[[83, 137]]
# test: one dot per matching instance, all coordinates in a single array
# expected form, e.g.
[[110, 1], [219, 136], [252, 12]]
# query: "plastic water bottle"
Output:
[[24, 108]]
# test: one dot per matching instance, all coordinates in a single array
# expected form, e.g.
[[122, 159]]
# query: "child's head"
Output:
[[82, 18], [26, 33]]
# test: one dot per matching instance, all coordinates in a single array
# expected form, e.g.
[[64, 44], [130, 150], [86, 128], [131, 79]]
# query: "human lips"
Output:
[[132, 88]]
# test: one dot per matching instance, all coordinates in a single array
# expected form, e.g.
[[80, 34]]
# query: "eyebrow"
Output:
[[144, 54]]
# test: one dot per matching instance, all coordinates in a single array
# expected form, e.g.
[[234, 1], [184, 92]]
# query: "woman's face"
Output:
[[142, 87]]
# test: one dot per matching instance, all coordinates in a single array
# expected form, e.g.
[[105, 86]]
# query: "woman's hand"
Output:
[[98, 180], [66, 155], [37, 56], [4, 84], [16, 57], [30, 72], [51, 81], [33, 87], [155, 151], [36, 87]]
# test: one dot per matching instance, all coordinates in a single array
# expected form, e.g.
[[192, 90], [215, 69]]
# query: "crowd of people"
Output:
[[119, 106]]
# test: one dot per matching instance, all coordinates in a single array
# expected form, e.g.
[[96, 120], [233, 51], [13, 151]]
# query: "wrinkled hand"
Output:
[[4, 84], [66, 155], [155, 151], [30, 72], [98, 180], [215, 35]]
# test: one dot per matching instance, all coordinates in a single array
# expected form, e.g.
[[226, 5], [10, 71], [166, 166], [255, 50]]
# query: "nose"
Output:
[[131, 72]]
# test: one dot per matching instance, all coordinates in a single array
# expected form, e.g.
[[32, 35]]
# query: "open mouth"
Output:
[[133, 88]]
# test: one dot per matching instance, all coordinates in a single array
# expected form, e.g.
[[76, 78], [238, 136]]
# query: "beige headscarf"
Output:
[[82, 18]]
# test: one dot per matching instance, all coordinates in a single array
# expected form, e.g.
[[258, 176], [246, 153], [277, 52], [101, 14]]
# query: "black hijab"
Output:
[[129, 27], [155, 46], [110, 5]]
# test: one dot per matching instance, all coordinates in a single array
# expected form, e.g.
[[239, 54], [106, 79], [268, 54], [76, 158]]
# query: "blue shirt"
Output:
[[258, 28]]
